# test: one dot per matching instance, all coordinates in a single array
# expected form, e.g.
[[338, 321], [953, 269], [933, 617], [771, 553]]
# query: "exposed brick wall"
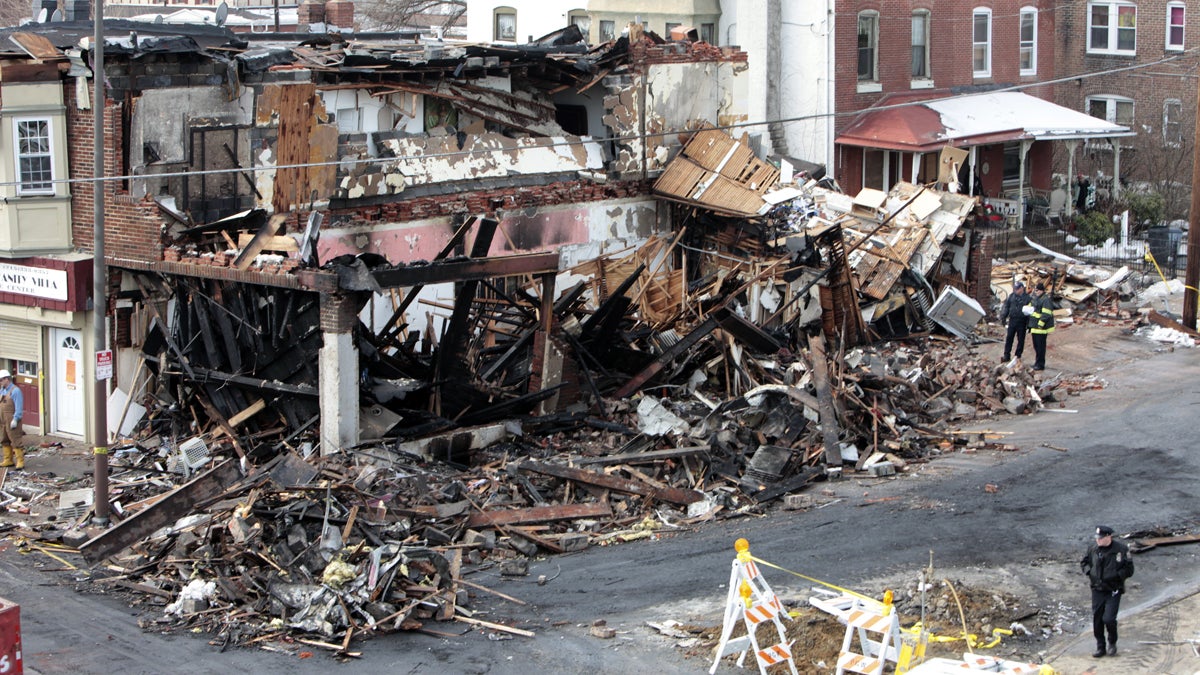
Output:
[[339, 312], [132, 227]]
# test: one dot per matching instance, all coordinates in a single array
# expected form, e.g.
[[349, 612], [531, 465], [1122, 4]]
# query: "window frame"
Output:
[[1115, 9], [497, 14], [1027, 46], [871, 16], [1113, 103], [24, 187], [581, 18], [708, 33], [607, 30], [1172, 140], [927, 17], [1181, 27], [985, 71]]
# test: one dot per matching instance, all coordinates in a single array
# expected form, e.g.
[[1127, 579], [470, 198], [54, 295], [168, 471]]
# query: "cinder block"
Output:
[[573, 542]]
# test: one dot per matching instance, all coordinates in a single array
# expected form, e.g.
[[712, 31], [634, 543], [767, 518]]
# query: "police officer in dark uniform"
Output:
[[1108, 565], [1013, 315]]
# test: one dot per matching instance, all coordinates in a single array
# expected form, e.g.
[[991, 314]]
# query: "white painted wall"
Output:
[[807, 64], [535, 18]]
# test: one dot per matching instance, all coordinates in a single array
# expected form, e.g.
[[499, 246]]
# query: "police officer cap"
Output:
[[1103, 531], [1019, 284]]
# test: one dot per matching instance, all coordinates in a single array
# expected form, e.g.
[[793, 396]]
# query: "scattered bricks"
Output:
[[601, 630], [484, 540], [75, 538], [882, 469], [573, 542], [967, 395], [797, 502], [514, 568], [522, 545]]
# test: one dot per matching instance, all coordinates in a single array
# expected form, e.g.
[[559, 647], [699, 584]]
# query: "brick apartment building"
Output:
[[1100, 42]]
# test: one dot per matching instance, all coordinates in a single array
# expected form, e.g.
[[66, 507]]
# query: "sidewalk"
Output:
[[1154, 640]]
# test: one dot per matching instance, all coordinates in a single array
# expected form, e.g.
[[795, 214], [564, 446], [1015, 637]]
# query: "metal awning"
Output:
[[977, 119]]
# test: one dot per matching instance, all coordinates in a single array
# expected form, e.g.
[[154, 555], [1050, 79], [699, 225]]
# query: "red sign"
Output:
[[104, 364], [10, 639]]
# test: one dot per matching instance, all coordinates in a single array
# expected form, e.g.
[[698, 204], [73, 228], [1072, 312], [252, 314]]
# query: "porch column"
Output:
[[916, 167], [1116, 188], [1071, 145], [337, 366], [971, 161], [1025, 145]]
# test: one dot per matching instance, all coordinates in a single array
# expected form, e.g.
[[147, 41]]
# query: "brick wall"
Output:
[[1148, 87], [132, 227]]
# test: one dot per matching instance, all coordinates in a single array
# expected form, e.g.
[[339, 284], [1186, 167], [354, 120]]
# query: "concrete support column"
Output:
[[338, 369]]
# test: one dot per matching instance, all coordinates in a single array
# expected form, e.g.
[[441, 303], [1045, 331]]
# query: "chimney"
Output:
[[74, 10], [310, 12], [39, 5], [340, 14]]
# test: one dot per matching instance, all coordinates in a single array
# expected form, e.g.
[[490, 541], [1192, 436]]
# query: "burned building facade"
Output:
[[290, 225]]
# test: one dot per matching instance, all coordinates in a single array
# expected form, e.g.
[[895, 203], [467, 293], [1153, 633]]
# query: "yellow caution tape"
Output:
[[839, 589]]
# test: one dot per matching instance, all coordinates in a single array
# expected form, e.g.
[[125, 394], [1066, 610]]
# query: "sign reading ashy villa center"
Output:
[[36, 281]]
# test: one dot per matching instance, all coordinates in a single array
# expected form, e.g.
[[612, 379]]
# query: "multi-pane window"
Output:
[[580, 19], [506, 25], [868, 47], [1172, 122], [1112, 27], [981, 42], [1115, 109], [35, 158], [608, 31], [920, 44], [1028, 53], [1175, 14]]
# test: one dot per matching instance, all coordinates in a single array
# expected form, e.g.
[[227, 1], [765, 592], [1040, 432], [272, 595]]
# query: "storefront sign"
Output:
[[36, 281]]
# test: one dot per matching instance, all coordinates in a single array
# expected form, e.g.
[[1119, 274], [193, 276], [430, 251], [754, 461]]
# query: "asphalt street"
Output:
[[1123, 455]]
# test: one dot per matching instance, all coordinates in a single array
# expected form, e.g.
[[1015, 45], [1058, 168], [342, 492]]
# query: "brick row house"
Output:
[[384, 152]]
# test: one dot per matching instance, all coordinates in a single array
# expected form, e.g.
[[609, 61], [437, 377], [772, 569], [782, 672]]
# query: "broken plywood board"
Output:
[[539, 514]]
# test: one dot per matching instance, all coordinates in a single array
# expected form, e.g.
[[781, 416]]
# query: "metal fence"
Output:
[[1161, 242]]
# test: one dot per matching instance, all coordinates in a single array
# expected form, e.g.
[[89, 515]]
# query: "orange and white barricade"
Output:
[[752, 602]]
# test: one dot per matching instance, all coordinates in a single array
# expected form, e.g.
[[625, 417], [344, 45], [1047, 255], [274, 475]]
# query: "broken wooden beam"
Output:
[[539, 514], [666, 494], [647, 456], [687, 342], [174, 505]]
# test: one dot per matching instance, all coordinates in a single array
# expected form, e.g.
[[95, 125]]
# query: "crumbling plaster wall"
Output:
[[163, 120], [579, 232], [667, 100]]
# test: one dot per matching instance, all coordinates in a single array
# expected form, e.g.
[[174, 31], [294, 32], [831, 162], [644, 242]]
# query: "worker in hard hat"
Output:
[[12, 406]]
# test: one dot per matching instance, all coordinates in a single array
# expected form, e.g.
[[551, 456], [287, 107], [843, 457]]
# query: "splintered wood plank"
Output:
[[539, 514], [668, 494]]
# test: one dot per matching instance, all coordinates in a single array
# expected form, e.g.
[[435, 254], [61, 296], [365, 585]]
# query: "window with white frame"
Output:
[[981, 42], [1028, 52], [868, 47], [1175, 25], [34, 155], [1115, 109], [505, 25], [1172, 126], [920, 44], [1112, 28], [608, 31], [580, 19]]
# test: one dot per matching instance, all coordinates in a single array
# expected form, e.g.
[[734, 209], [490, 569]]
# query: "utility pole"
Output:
[[99, 272], [1192, 273]]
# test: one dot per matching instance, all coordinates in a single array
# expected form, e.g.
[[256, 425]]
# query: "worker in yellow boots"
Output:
[[12, 406]]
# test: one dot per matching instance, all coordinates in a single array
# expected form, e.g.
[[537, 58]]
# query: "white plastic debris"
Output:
[[193, 598]]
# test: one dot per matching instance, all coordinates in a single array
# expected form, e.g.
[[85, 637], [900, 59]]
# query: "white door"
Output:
[[67, 406]]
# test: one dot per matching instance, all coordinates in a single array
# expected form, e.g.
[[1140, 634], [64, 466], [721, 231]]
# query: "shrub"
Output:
[[1093, 227], [1147, 209]]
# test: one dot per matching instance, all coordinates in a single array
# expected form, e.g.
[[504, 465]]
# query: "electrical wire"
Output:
[[609, 139]]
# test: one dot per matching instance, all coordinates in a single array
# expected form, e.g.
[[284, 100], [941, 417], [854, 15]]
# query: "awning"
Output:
[[977, 119]]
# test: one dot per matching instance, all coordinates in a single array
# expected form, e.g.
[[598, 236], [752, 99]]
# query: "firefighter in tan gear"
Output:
[[12, 406]]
